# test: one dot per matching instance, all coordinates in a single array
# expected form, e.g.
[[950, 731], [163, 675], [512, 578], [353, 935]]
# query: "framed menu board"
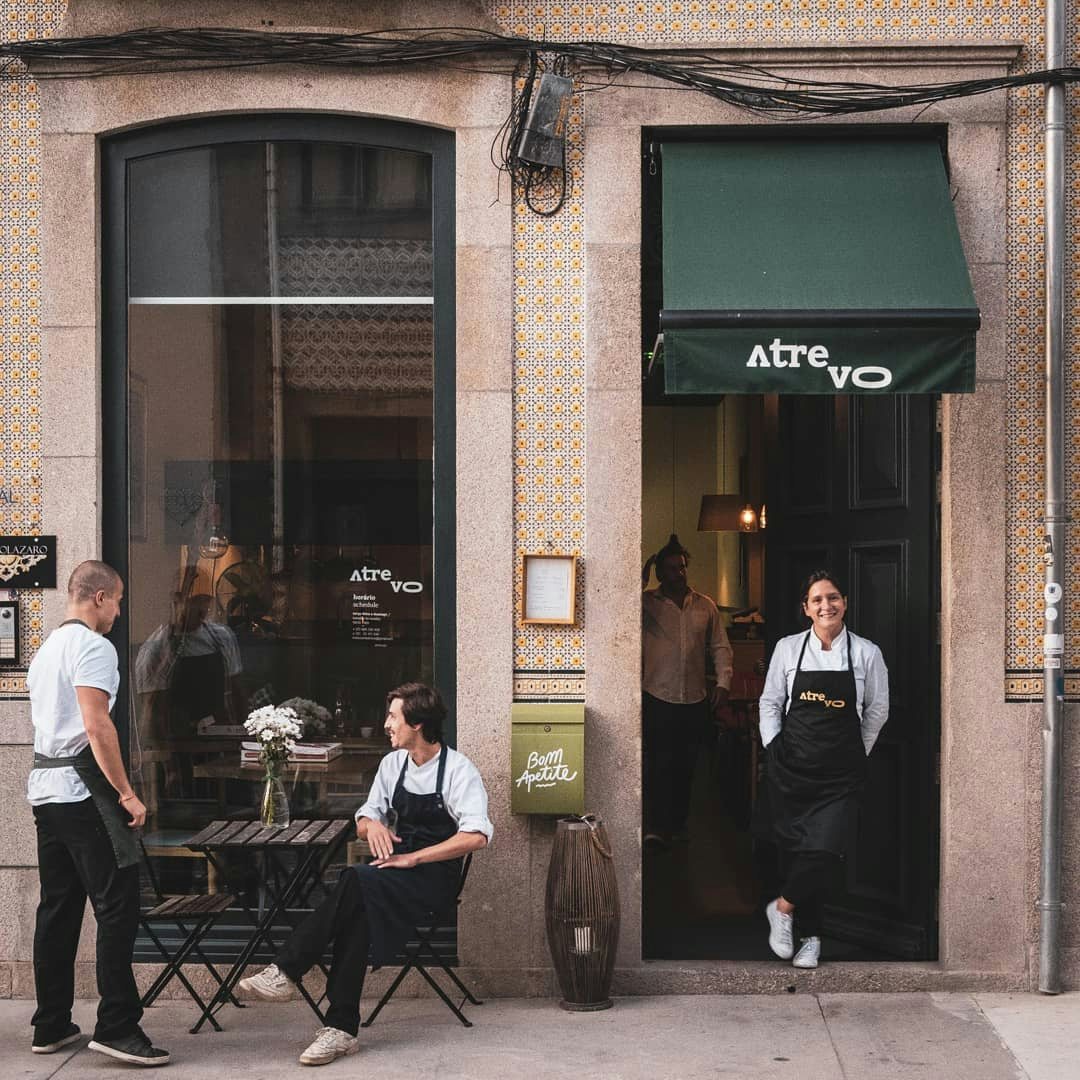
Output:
[[548, 589]]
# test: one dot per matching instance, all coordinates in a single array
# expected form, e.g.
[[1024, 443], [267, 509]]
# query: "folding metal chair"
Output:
[[193, 915], [413, 961]]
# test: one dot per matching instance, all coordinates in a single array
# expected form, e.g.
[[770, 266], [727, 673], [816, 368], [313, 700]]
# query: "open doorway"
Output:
[[701, 463], [843, 482]]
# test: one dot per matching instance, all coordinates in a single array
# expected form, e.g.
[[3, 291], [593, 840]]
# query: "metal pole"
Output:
[[1050, 904], [277, 368]]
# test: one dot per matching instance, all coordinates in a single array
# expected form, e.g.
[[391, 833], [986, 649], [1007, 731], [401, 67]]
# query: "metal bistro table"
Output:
[[314, 845]]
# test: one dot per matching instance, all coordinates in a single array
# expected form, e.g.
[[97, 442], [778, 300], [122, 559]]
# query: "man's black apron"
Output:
[[106, 799], [396, 900], [817, 764]]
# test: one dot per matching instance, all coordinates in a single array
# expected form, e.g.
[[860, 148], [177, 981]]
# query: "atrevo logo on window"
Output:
[[779, 355], [368, 573]]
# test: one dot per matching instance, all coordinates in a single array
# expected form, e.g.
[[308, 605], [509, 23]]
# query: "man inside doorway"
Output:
[[680, 633]]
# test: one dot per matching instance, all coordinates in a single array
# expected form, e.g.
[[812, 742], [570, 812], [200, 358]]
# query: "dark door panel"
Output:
[[851, 487], [878, 450]]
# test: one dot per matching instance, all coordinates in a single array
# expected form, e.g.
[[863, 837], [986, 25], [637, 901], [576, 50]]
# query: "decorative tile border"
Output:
[[20, 310], [548, 686], [549, 407]]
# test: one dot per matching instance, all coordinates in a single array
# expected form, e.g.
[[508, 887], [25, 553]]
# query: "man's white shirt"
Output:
[[73, 655], [463, 789]]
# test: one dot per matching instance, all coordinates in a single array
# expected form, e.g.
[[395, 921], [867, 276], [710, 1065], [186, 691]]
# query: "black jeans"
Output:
[[810, 878], [76, 861], [340, 919], [671, 739]]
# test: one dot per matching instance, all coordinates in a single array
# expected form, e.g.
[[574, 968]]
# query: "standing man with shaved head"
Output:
[[86, 814]]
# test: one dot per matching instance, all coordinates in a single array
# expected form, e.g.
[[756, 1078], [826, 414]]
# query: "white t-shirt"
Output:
[[161, 650], [463, 789], [73, 655]]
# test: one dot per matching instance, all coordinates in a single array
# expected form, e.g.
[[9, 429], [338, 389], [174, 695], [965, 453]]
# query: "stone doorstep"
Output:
[[652, 978]]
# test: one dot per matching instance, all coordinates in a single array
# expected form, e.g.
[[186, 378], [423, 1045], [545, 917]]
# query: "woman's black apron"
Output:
[[817, 764], [396, 900], [106, 800]]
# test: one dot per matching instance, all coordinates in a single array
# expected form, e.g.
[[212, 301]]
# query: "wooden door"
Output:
[[851, 487]]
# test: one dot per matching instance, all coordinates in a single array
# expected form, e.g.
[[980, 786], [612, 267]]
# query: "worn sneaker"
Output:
[[809, 953], [46, 1044], [781, 940], [330, 1044], [135, 1049], [270, 984]]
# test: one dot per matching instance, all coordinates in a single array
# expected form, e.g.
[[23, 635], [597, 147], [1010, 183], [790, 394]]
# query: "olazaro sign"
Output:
[[781, 355]]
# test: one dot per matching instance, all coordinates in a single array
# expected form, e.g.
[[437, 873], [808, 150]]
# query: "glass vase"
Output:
[[274, 809]]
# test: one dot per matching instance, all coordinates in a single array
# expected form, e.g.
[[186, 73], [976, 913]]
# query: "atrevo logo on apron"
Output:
[[779, 355]]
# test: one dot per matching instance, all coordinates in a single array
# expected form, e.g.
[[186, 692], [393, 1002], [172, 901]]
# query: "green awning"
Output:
[[813, 266]]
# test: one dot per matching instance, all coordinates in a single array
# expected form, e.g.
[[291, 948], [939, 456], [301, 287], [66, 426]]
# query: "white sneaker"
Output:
[[270, 984], [809, 953], [330, 1044], [781, 939]]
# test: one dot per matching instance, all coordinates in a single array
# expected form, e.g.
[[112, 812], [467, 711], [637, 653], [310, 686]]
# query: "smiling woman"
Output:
[[826, 698]]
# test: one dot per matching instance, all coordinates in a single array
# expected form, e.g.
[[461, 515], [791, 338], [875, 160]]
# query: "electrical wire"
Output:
[[157, 49], [596, 66]]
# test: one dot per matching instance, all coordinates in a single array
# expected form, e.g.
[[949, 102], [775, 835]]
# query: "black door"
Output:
[[851, 486]]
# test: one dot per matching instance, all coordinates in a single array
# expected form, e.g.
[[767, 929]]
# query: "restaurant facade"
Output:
[[283, 344]]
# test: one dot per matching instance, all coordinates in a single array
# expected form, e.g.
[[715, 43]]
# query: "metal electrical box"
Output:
[[547, 758]]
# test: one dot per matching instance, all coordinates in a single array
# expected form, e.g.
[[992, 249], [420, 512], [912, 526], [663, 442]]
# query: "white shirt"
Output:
[[159, 653], [463, 790], [871, 680], [674, 644], [72, 655]]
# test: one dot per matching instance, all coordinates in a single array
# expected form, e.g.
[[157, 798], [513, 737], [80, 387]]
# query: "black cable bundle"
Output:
[[537, 182], [598, 64]]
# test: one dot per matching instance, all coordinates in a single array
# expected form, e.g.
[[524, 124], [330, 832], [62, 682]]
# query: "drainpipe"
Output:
[[1050, 904]]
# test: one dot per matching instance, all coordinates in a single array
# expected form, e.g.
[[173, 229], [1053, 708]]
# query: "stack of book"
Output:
[[303, 753]]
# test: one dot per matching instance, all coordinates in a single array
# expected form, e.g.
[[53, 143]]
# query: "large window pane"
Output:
[[280, 446]]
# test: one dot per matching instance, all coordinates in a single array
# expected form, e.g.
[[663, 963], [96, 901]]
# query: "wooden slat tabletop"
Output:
[[313, 829], [206, 834], [285, 836], [253, 834], [333, 831]]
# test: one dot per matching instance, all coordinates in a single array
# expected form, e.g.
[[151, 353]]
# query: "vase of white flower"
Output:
[[277, 729]]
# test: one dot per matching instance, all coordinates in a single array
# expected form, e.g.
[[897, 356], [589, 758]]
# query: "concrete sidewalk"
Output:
[[800, 1037]]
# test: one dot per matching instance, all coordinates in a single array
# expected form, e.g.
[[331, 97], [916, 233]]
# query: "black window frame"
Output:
[[116, 151]]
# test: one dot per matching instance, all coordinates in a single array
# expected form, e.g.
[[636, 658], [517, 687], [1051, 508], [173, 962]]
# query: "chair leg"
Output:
[[442, 993], [384, 1000], [174, 966]]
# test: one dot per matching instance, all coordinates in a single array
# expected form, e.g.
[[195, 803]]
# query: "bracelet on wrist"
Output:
[[128, 798]]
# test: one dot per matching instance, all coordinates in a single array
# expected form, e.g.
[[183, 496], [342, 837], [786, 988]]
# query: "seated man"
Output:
[[427, 809]]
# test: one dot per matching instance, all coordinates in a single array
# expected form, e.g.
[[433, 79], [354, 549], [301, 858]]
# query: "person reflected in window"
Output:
[[426, 811], [681, 636], [188, 677], [825, 701]]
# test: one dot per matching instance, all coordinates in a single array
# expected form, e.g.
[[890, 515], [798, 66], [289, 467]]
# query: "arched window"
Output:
[[278, 415]]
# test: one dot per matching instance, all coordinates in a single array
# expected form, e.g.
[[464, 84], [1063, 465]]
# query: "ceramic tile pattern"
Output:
[[549, 290], [20, 308]]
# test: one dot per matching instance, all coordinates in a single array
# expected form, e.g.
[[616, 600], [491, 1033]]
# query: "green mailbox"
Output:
[[547, 758]]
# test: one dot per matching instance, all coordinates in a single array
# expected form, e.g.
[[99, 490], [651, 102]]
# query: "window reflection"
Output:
[[280, 338]]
